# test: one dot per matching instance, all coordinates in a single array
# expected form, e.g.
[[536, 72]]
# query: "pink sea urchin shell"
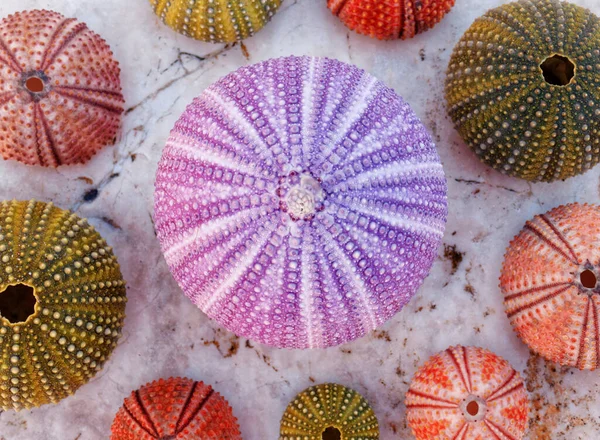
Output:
[[175, 409], [300, 202], [467, 393], [550, 285], [60, 93]]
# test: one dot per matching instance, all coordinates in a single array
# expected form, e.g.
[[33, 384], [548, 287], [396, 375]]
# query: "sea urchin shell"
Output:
[[388, 20], [523, 89], [329, 411], [550, 285], [467, 393], [300, 202], [216, 21], [60, 92], [62, 303], [175, 409]]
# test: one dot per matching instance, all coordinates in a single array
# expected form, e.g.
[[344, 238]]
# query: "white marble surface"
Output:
[[166, 335]]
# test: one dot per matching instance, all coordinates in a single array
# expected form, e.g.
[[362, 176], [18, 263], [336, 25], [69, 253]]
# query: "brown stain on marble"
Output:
[[454, 256]]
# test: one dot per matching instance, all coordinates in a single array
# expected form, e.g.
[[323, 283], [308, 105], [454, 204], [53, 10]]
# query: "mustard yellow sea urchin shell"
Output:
[[523, 89], [327, 412], [216, 21], [62, 303]]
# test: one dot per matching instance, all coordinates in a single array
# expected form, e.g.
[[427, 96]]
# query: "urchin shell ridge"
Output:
[[175, 409], [513, 98], [296, 210], [467, 393], [77, 108], [219, 21], [392, 19], [549, 303], [79, 309], [329, 406]]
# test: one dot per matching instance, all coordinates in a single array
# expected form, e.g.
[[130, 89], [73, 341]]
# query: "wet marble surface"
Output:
[[166, 335]]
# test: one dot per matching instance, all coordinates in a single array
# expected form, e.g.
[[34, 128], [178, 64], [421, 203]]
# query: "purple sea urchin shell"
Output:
[[300, 202]]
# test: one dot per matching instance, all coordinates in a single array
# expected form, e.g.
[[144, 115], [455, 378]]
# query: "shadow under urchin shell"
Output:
[[62, 303], [550, 285], [329, 411], [467, 393], [523, 88], [175, 409], [401, 19], [61, 98], [218, 21], [300, 202]]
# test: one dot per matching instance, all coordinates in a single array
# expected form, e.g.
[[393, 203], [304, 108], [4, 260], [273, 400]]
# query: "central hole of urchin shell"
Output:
[[558, 70], [34, 84], [588, 279], [474, 408], [331, 433], [17, 302]]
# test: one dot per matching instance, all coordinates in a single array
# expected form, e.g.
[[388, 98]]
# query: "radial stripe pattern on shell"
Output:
[[300, 202], [175, 409], [467, 393], [550, 285], [216, 21], [523, 89], [62, 303], [60, 92], [391, 19], [322, 411]]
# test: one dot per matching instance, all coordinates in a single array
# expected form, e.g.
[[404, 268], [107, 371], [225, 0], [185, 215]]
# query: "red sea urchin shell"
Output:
[[391, 19], [467, 393], [60, 93], [550, 285], [175, 409]]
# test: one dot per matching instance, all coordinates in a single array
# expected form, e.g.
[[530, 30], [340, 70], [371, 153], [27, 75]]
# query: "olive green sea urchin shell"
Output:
[[523, 89], [62, 303], [329, 412]]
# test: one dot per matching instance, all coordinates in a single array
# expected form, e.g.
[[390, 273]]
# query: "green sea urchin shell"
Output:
[[523, 89], [62, 303], [329, 411], [216, 21]]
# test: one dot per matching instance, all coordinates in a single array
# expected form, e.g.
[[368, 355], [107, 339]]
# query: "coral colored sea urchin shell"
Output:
[[522, 89], [62, 303], [216, 21], [60, 92], [550, 285], [329, 411], [300, 202], [467, 393], [175, 409], [388, 20]]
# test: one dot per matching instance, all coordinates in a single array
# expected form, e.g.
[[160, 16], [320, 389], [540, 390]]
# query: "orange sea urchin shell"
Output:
[[60, 93], [390, 19], [175, 409], [550, 284], [467, 393]]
